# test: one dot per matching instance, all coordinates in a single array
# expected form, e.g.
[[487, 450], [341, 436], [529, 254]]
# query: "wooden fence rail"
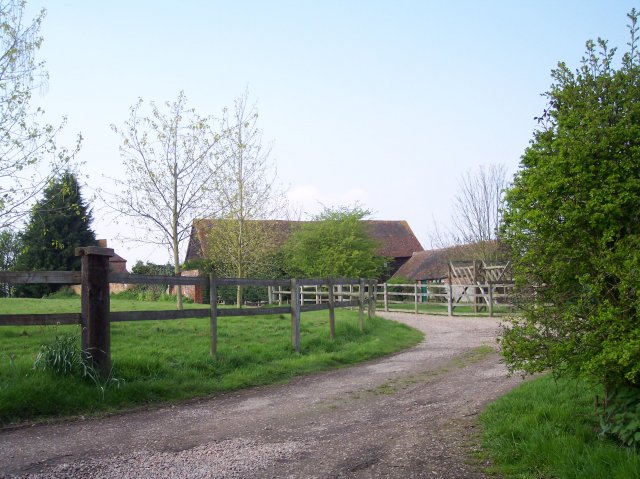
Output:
[[95, 316], [489, 295]]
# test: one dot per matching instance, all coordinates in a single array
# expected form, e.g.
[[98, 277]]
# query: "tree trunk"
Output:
[[239, 294], [178, 271], [174, 230]]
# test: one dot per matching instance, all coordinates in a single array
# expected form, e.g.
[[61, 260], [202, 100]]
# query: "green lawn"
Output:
[[166, 361], [549, 429]]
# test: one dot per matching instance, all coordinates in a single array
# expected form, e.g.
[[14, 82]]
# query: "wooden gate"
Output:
[[484, 280]]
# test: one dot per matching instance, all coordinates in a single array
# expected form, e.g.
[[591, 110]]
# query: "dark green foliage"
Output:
[[152, 268], [336, 244], [149, 292], [10, 247], [58, 224], [621, 417], [572, 221]]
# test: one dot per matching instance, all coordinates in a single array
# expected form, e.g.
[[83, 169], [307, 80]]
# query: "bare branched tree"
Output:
[[26, 145], [171, 161], [477, 211], [247, 191]]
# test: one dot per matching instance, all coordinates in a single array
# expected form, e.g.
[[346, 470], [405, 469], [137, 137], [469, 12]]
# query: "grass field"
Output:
[[549, 429], [166, 361]]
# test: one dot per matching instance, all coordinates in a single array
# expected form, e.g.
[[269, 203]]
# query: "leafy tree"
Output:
[[59, 223], [26, 145], [243, 249], [572, 221], [335, 244], [170, 162], [239, 246]]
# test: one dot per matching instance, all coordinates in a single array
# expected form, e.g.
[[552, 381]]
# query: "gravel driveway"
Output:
[[409, 415]]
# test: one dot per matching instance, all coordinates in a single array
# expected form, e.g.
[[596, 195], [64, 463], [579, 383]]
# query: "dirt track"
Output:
[[409, 415]]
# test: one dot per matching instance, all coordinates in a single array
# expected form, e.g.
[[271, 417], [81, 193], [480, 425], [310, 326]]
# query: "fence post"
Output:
[[370, 299], [95, 305], [475, 288], [415, 296], [490, 299], [332, 315], [385, 298], [361, 305], [213, 300], [375, 296], [450, 293], [295, 315]]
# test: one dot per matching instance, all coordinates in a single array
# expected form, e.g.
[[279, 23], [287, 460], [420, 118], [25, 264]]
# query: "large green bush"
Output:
[[572, 219], [335, 244]]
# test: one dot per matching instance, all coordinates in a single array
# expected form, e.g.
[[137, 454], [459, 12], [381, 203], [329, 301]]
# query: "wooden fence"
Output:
[[479, 297], [95, 315]]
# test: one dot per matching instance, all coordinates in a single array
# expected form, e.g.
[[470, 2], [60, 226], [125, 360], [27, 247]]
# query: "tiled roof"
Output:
[[433, 264], [396, 238], [116, 258]]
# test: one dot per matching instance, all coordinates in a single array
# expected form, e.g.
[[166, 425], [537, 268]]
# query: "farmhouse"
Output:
[[396, 239]]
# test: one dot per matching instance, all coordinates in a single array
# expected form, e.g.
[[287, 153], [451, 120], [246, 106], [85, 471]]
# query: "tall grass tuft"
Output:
[[64, 357]]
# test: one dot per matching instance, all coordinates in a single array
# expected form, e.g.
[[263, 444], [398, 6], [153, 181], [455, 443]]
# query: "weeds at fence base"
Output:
[[64, 357]]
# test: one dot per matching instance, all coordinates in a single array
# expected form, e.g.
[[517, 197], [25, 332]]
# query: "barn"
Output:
[[396, 239]]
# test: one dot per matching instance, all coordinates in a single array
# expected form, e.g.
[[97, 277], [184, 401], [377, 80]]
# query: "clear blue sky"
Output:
[[387, 103]]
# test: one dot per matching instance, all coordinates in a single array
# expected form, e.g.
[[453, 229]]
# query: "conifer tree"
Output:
[[58, 223]]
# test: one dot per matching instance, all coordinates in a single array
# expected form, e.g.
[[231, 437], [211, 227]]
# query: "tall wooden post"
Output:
[[213, 294], [415, 296], [450, 293], [295, 315], [95, 305], [375, 296], [385, 294], [475, 287], [490, 299], [361, 305], [332, 314], [370, 298]]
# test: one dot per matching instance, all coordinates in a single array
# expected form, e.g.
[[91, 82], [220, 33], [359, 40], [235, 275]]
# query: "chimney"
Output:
[[102, 243]]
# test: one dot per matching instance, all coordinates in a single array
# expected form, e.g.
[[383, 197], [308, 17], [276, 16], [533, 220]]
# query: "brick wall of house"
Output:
[[195, 292]]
